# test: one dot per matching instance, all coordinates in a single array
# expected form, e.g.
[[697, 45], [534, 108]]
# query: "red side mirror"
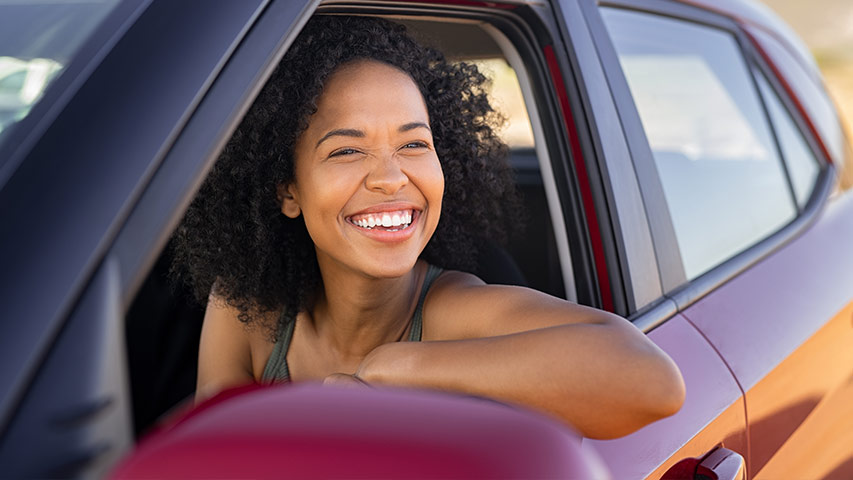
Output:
[[309, 431]]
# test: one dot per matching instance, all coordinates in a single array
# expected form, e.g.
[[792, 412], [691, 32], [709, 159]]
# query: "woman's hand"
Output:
[[345, 380]]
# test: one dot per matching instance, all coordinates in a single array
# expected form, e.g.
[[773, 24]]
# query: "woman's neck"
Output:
[[355, 314]]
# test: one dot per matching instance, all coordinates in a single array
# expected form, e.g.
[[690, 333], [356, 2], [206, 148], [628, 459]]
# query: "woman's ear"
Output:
[[287, 197]]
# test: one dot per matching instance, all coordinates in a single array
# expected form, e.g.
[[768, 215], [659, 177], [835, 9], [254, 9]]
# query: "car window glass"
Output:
[[721, 174], [533, 247], [37, 41], [506, 97], [801, 162]]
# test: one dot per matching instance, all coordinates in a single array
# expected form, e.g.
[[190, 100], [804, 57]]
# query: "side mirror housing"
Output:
[[310, 431]]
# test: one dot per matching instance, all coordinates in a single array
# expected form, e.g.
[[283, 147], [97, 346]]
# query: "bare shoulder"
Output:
[[459, 305], [226, 349]]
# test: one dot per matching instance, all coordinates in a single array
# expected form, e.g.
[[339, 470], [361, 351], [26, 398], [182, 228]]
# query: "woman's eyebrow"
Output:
[[412, 126], [344, 132], [351, 132]]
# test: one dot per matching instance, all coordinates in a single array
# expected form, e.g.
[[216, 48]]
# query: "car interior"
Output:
[[164, 322]]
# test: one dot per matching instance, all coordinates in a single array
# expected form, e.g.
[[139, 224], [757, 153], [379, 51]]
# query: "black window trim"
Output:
[[759, 67], [648, 220], [158, 210]]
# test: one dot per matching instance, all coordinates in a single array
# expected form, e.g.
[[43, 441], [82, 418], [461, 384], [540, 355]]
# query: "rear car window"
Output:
[[719, 165], [802, 164]]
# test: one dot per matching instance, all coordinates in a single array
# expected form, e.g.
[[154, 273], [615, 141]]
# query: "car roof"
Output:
[[758, 15]]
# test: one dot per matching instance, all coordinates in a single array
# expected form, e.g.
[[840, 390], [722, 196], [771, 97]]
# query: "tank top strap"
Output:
[[276, 370], [416, 332]]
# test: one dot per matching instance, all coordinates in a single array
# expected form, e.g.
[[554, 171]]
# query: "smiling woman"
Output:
[[341, 219], [373, 166]]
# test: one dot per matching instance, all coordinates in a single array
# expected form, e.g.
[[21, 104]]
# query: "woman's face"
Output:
[[367, 179]]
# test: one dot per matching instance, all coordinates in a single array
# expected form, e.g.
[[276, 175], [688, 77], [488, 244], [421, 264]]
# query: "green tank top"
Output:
[[276, 368]]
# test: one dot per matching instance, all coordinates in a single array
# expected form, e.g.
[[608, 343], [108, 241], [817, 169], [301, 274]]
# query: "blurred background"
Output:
[[827, 28]]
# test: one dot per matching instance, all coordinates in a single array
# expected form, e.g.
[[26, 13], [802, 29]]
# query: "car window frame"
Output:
[[623, 226], [180, 174], [789, 108], [677, 287]]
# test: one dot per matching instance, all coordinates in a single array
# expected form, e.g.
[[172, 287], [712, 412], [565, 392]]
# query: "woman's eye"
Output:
[[418, 144], [343, 152]]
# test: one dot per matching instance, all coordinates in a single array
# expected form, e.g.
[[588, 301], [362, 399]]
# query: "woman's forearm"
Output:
[[600, 378]]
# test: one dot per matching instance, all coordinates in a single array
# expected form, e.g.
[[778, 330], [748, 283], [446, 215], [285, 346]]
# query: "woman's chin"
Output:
[[388, 269]]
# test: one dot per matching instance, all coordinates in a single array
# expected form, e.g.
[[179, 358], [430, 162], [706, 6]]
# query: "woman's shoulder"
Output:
[[459, 306], [232, 351], [444, 302]]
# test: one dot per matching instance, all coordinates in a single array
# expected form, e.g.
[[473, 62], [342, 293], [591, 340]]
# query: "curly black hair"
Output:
[[235, 242]]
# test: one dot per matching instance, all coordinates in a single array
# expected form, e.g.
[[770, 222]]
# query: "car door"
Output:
[[713, 414], [97, 185], [753, 262]]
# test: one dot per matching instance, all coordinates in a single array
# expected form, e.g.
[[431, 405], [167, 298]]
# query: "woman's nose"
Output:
[[386, 176]]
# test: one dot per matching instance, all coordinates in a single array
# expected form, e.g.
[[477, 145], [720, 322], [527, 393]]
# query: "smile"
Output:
[[384, 221]]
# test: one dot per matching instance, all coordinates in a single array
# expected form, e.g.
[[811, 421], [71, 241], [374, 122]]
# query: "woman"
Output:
[[340, 219]]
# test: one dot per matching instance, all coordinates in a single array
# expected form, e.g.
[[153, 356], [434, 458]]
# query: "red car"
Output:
[[681, 165]]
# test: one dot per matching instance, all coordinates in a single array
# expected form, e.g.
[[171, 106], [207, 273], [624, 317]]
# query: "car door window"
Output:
[[37, 41], [801, 162], [719, 167], [541, 256]]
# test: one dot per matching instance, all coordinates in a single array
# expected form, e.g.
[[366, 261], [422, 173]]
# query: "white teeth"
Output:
[[387, 220]]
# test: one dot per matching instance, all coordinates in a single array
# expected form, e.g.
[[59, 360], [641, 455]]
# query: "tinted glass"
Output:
[[37, 41], [802, 164], [720, 170]]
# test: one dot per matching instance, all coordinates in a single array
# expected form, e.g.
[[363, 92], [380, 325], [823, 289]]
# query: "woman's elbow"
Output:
[[659, 394], [663, 391], [671, 391]]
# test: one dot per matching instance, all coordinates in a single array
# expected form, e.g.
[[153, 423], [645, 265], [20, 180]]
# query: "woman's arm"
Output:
[[590, 368], [224, 353]]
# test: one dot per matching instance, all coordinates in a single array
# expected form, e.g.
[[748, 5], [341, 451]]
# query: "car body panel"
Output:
[[803, 402], [713, 412], [87, 427], [784, 328]]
